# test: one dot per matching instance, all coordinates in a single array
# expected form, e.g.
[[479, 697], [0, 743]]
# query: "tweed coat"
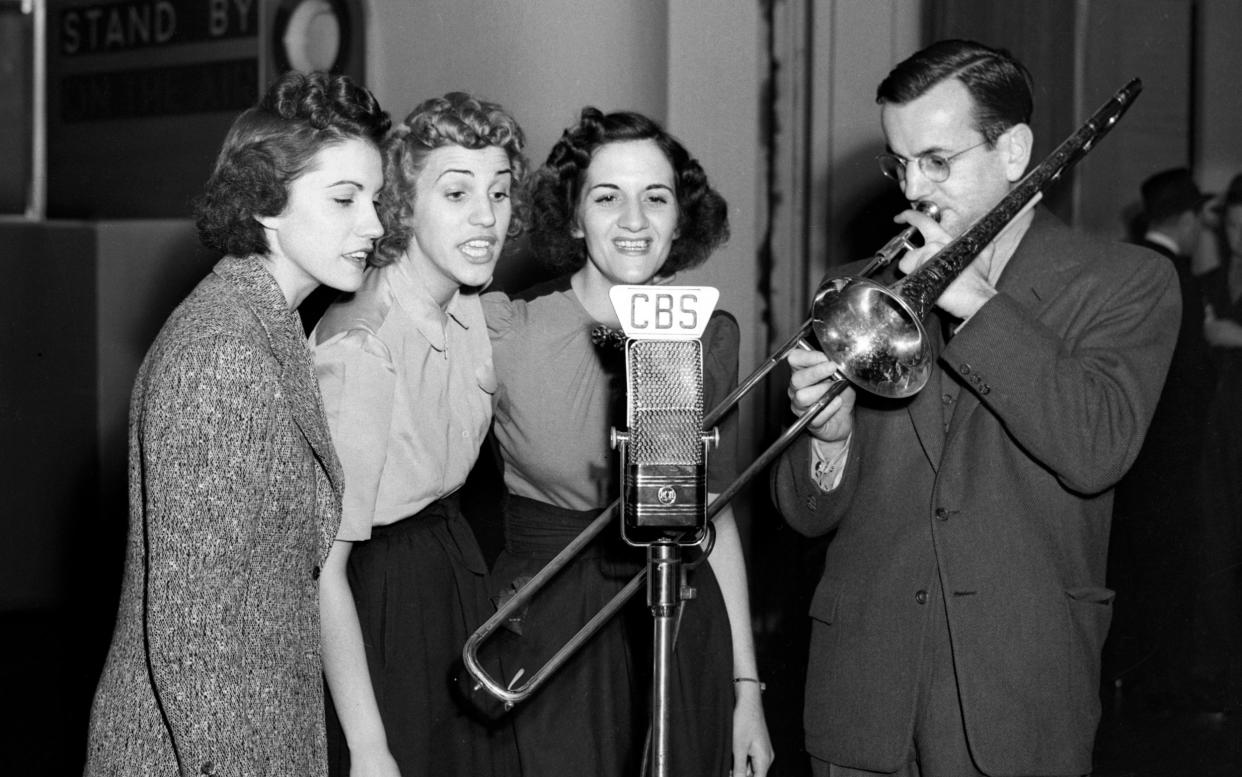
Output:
[[235, 498], [1001, 499]]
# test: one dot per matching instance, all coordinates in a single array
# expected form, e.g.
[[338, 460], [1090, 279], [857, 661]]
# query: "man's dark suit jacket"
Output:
[[1007, 511]]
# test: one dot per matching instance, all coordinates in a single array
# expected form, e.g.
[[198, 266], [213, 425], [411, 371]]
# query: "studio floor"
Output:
[[1143, 743], [46, 680]]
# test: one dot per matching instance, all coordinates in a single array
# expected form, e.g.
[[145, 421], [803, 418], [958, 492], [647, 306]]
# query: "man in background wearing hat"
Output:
[[1158, 503]]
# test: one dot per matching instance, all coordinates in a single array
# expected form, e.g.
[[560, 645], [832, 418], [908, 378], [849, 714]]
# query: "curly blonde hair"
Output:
[[458, 119]]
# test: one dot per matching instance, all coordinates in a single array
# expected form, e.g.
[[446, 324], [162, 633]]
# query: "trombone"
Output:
[[518, 690], [876, 336]]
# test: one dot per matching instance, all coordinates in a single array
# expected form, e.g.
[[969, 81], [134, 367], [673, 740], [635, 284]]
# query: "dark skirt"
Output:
[[592, 716], [421, 589]]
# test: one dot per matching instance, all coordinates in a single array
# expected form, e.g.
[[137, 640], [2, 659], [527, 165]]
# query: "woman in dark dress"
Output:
[[619, 201]]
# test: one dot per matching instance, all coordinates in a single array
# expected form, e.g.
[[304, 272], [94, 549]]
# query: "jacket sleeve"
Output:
[[206, 445], [1077, 393], [806, 507]]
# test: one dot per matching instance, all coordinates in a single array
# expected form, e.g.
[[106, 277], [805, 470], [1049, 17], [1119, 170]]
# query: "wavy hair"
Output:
[[458, 119], [270, 145], [703, 215], [1000, 85]]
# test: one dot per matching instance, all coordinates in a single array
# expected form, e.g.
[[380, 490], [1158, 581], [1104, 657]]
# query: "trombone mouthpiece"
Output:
[[900, 243]]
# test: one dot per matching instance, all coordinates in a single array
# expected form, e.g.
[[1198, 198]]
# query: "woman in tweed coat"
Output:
[[235, 489]]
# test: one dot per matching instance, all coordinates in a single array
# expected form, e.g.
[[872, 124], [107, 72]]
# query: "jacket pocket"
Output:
[[827, 600], [1090, 611]]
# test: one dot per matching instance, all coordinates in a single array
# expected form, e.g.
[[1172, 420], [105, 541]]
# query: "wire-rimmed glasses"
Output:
[[934, 166]]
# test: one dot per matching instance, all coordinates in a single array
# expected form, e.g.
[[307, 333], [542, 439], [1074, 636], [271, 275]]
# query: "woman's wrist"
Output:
[[748, 682]]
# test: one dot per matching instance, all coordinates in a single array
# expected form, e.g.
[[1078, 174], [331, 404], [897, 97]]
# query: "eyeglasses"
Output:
[[933, 166]]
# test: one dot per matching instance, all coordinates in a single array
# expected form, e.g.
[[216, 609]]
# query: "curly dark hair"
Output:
[[458, 119], [703, 215], [999, 84], [270, 145]]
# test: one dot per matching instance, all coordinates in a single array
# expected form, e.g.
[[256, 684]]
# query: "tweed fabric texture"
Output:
[[235, 498]]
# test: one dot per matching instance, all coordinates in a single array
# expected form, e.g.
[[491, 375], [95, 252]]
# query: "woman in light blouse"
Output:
[[406, 371]]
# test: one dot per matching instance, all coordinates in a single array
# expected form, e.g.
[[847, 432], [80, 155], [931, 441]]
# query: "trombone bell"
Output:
[[873, 335]]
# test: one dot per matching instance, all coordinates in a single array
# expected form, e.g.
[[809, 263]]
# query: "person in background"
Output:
[[1216, 673], [235, 489], [1151, 562], [957, 628], [619, 201], [406, 370]]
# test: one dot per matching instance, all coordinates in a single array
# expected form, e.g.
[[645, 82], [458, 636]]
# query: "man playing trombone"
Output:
[[958, 626]]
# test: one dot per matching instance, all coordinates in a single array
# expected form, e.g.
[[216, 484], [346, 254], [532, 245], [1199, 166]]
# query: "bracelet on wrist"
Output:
[[762, 686]]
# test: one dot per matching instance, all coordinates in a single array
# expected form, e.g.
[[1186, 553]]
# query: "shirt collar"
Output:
[[1006, 243], [1161, 239], [430, 319], [249, 275], [251, 278]]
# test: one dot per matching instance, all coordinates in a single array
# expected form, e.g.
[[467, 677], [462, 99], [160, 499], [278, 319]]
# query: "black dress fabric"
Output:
[[598, 703], [421, 589]]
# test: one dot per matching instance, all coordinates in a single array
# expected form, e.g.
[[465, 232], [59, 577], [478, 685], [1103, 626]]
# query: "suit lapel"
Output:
[[926, 409]]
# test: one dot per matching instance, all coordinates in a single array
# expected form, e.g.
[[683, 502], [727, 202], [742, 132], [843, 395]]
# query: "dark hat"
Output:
[[1233, 195], [1171, 193]]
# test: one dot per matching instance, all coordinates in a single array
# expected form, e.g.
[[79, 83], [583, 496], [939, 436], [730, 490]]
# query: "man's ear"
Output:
[[1016, 143]]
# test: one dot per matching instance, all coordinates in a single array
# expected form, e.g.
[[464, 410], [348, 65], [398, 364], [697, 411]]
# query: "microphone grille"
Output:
[[665, 401]]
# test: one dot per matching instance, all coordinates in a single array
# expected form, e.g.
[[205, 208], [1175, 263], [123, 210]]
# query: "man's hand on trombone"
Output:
[[812, 375], [977, 283]]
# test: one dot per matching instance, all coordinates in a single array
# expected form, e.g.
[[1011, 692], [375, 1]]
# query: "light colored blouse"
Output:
[[407, 389]]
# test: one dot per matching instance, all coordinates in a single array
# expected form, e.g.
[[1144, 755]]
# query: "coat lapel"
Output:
[[305, 401], [297, 378], [306, 404], [926, 409]]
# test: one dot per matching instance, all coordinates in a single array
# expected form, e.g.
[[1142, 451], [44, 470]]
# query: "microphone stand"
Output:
[[664, 595], [664, 487]]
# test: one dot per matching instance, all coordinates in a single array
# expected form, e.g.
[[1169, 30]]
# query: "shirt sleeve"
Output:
[[357, 379], [498, 312], [826, 469]]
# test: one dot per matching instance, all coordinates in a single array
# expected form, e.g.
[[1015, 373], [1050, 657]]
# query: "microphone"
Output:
[[664, 450]]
